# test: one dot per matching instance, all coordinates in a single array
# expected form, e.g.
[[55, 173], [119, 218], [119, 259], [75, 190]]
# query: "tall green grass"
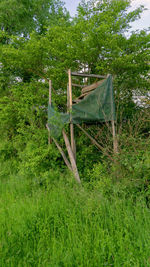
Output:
[[68, 225]]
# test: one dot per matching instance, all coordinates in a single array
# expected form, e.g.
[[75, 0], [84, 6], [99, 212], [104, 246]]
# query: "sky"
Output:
[[142, 23]]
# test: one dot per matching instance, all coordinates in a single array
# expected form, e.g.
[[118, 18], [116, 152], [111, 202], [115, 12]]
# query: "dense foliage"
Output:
[[40, 41]]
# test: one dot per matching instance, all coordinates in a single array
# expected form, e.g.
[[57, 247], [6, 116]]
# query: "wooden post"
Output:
[[61, 151], [70, 106], [50, 92], [50, 103], [68, 99], [71, 157], [115, 142], [63, 155]]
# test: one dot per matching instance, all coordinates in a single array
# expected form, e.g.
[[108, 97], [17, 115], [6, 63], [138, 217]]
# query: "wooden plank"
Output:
[[86, 90], [81, 96], [68, 100], [94, 142], [61, 151], [77, 100], [92, 86], [50, 92], [71, 157], [70, 88], [115, 141], [63, 155], [50, 102], [71, 124], [87, 75], [77, 85]]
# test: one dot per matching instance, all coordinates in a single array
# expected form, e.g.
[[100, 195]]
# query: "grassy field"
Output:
[[67, 225]]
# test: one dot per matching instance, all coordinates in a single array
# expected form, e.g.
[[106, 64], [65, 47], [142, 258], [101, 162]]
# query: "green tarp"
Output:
[[98, 106]]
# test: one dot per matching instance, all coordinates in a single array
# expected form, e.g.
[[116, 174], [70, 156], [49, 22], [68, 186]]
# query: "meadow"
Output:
[[65, 224], [46, 218]]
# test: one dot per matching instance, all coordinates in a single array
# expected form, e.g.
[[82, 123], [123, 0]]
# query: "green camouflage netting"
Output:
[[98, 106]]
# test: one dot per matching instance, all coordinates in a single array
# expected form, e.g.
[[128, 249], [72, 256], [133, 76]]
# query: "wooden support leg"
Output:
[[115, 142], [69, 101], [94, 142], [73, 145], [50, 102], [71, 157], [63, 155], [61, 152]]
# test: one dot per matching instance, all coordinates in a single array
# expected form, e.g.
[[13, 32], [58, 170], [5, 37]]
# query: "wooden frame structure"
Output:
[[71, 146]]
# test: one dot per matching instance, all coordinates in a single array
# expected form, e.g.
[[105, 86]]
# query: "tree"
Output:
[[103, 46], [18, 21], [22, 17], [43, 45]]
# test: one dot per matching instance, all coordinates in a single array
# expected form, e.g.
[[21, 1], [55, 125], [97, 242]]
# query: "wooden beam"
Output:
[[61, 151], [68, 99], [63, 155], [87, 89], [71, 157], [77, 85], [70, 107], [94, 142], [50, 92], [115, 141], [92, 86], [77, 100], [70, 88], [50, 103], [88, 75]]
